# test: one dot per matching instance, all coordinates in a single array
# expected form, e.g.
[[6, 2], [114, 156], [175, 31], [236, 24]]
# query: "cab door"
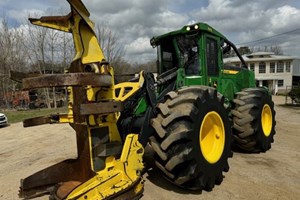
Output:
[[212, 60]]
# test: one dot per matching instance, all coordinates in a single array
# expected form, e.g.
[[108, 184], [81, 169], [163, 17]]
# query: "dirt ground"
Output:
[[271, 175]]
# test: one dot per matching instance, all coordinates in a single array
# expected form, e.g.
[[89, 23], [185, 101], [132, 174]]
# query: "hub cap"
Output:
[[212, 137], [266, 120]]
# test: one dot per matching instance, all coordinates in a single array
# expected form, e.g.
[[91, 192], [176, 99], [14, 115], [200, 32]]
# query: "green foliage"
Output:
[[294, 94]]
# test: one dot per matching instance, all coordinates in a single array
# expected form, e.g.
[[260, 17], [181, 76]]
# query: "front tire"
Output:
[[193, 137], [254, 120]]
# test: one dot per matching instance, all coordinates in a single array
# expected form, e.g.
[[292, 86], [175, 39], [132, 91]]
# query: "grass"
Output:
[[18, 116]]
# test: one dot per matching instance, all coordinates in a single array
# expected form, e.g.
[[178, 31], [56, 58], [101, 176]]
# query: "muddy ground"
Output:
[[271, 175]]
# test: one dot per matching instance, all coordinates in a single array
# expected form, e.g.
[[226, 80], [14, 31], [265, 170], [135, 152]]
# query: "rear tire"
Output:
[[254, 120], [193, 137]]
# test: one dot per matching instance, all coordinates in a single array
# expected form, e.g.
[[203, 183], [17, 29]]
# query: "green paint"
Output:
[[195, 51]]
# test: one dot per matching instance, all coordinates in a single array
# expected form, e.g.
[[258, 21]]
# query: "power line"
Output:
[[266, 38]]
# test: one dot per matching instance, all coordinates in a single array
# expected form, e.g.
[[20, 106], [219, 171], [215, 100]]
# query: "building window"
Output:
[[288, 66], [252, 66], [272, 67], [262, 67], [280, 83], [280, 67]]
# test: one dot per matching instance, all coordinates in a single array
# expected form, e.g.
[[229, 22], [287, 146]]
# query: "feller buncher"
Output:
[[189, 116]]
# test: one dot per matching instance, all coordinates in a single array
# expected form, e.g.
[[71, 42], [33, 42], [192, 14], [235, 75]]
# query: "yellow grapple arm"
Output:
[[106, 167], [82, 28]]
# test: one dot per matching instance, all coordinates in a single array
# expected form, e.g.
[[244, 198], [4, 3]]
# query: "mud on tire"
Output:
[[178, 150], [254, 120]]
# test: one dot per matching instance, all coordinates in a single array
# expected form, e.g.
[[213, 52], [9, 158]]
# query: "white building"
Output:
[[272, 71]]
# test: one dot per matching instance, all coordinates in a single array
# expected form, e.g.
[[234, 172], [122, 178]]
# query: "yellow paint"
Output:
[[266, 120], [91, 51], [118, 175], [127, 89], [67, 118], [212, 137], [78, 23], [70, 101], [226, 71], [92, 121]]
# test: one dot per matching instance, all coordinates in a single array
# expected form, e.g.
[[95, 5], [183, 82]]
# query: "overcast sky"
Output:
[[136, 21]]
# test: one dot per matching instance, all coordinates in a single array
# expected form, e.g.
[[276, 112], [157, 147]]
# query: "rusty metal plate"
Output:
[[42, 120], [79, 169], [19, 76], [101, 108], [71, 79], [37, 121]]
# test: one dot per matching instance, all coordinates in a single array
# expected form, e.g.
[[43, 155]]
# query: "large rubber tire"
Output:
[[254, 120], [181, 151]]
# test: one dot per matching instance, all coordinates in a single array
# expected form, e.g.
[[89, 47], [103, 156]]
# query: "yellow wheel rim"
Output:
[[212, 137], [266, 120]]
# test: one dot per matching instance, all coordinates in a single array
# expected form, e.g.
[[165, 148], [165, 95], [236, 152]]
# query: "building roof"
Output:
[[259, 56], [261, 53]]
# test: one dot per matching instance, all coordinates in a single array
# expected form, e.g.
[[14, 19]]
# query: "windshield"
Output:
[[189, 54]]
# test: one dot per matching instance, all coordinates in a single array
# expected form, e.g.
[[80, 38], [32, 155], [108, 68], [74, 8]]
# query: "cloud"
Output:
[[243, 21], [140, 50], [139, 46], [285, 18], [22, 16], [136, 21]]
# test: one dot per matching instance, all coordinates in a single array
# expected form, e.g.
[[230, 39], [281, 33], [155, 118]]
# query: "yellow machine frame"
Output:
[[121, 174]]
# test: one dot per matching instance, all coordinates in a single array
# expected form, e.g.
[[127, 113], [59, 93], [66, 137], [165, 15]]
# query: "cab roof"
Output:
[[197, 27]]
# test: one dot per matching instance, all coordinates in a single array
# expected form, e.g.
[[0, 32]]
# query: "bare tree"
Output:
[[12, 57], [35, 49], [66, 49], [6, 51], [52, 44], [111, 45], [277, 50], [36, 45]]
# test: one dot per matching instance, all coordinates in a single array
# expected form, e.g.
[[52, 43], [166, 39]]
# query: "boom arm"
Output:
[[78, 23], [106, 165]]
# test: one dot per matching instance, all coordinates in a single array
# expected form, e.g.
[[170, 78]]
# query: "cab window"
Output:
[[212, 57]]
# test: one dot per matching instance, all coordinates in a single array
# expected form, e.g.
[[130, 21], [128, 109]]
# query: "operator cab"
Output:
[[195, 51], [179, 51]]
